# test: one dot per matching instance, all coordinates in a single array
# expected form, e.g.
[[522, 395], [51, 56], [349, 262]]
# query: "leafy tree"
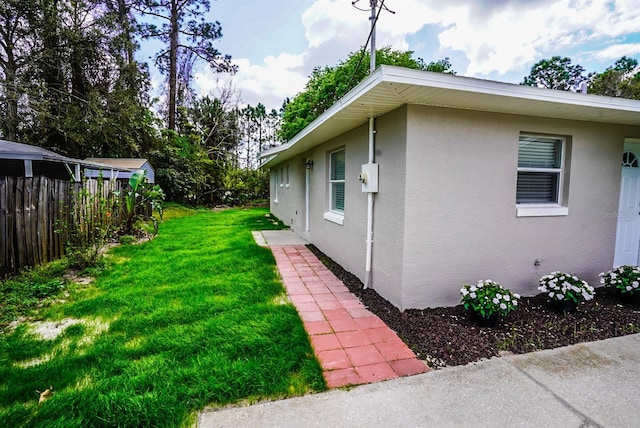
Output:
[[620, 80], [243, 186], [180, 18], [15, 47], [71, 81], [441, 66], [555, 73], [133, 129], [327, 85], [182, 168], [258, 131], [215, 121]]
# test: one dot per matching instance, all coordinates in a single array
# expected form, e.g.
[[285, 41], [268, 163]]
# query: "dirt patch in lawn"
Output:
[[447, 337]]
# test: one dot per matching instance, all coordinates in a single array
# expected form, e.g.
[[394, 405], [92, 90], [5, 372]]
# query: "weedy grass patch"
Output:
[[22, 295], [194, 317]]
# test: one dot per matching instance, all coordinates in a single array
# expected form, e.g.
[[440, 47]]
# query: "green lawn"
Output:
[[195, 317]]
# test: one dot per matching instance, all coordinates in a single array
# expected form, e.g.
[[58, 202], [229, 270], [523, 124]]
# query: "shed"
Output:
[[127, 166]]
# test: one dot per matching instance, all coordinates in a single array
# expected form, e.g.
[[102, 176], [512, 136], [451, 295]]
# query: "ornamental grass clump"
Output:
[[564, 287], [488, 299], [624, 279]]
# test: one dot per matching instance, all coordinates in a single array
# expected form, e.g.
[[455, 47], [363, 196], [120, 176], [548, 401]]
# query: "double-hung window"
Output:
[[336, 181], [288, 175], [276, 181], [337, 168], [540, 175]]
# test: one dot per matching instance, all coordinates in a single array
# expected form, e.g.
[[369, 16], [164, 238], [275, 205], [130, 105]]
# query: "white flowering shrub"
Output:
[[560, 286], [488, 298], [625, 279]]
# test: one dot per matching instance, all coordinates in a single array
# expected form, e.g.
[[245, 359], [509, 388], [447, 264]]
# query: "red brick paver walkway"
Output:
[[352, 344]]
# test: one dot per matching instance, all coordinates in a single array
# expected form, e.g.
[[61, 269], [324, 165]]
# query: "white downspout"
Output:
[[369, 240], [306, 198]]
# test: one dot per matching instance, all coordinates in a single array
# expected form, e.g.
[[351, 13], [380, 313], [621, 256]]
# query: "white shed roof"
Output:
[[389, 87]]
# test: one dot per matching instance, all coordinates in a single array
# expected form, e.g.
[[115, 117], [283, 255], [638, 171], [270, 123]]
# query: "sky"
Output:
[[277, 43]]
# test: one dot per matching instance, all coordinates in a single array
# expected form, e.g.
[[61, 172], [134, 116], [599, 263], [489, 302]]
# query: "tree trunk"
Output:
[[52, 73], [125, 23], [11, 121], [173, 64], [9, 64]]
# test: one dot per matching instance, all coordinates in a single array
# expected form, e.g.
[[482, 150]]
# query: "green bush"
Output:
[[242, 187], [127, 239], [625, 279], [488, 299], [561, 286]]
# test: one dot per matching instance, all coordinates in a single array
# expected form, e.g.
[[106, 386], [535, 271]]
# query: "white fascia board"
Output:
[[267, 158], [402, 75]]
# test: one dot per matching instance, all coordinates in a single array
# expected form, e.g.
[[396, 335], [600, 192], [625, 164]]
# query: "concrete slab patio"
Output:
[[587, 385], [278, 238]]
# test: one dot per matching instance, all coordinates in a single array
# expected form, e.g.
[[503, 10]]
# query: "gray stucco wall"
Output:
[[461, 224], [389, 205], [343, 243], [445, 213], [290, 202], [346, 243]]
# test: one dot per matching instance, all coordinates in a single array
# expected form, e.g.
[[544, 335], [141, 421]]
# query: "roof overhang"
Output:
[[19, 151], [12, 150], [389, 88]]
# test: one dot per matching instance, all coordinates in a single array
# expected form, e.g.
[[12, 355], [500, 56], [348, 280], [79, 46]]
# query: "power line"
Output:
[[373, 4]]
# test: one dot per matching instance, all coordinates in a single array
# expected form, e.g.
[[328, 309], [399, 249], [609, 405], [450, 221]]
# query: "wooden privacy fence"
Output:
[[39, 216]]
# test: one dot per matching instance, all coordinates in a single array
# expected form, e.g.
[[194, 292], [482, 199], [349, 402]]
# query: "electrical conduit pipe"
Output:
[[369, 240]]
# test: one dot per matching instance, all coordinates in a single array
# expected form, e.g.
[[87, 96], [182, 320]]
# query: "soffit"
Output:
[[127, 163]]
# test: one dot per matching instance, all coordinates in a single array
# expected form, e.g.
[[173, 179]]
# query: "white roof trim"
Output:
[[389, 88]]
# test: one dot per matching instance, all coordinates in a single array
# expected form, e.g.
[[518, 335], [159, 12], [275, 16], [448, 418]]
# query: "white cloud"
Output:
[[615, 52], [326, 19], [497, 37], [264, 83], [516, 33]]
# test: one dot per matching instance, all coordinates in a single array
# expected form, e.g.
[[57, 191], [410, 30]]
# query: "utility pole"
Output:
[[375, 12], [372, 18], [369, 174]]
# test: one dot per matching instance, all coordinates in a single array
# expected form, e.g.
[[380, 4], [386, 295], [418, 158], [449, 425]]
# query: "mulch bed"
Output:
[[447, 336]]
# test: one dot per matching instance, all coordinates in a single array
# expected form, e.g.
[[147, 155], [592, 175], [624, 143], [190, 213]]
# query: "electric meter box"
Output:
[[369, 178]]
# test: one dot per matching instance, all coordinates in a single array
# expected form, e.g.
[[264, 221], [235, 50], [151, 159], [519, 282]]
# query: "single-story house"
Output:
[[418, 182], [125, 166]]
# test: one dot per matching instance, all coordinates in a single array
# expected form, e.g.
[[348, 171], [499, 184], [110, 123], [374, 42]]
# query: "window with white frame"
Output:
[[540, 167], [336, 180], [276, 182], [288, 173]]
